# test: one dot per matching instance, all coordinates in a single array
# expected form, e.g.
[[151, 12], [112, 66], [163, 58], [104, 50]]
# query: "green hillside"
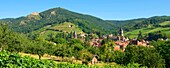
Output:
[[55, 16], [67, 27], [57, 20], [165, 23], [145, 31], [145, 25], [130, 25]]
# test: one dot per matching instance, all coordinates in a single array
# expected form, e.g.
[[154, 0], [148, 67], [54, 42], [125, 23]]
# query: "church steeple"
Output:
[[121, 32], [75, 35]]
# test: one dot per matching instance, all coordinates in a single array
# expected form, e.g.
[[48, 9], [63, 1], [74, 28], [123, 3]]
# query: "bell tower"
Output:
[[121, 32], [75, 35], [122, 38]]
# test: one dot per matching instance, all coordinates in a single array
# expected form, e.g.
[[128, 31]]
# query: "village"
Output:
[[120, 41]]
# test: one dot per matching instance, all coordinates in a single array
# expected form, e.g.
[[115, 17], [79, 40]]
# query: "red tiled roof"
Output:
[[116, 48]]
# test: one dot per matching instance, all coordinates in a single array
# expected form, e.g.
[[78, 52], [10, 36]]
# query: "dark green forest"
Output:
[[86, 22], [134, 24]]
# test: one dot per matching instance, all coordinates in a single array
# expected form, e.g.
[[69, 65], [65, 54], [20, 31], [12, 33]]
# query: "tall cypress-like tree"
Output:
[[140, 36]]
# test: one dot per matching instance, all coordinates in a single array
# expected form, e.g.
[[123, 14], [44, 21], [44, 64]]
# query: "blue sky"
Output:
[[104, 9]]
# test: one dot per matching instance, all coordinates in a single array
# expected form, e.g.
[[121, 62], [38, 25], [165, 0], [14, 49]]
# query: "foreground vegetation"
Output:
[[14, 60]]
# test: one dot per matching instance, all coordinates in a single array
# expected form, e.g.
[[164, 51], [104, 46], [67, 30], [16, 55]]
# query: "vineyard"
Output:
[[14, 60]]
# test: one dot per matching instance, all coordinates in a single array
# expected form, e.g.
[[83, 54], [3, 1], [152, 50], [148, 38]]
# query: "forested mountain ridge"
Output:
[[86, 23], [134, 24], [156, 24], [54, 16]]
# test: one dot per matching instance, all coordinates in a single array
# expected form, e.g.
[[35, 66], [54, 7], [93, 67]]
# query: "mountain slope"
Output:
[[134, 24], [55, 16], [145, 25], [38, 22]]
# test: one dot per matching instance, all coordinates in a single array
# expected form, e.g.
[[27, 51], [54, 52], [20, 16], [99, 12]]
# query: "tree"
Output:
[[4, 35], [60, 50], [12, 41], [75, 48], [118, 57], [39, 48], [156, 36], [74, 41], [147, 56], [60, 41], [85, 55], [163, 48], [140, 36], [106, 51], [50, 49], [94, 50]]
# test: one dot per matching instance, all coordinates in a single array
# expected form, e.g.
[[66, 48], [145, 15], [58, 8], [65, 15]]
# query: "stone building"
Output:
[[140, 43], [94, 59]]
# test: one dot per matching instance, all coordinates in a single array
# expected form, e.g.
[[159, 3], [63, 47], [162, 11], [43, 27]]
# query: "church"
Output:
[[121, 42]]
